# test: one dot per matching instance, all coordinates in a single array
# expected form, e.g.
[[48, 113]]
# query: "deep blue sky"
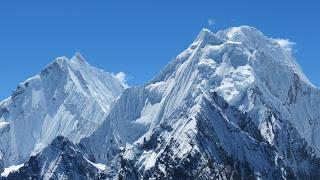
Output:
[[139, 37]]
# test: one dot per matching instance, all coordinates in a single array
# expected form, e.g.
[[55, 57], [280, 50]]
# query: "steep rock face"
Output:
[[60, 160], [69, 98]]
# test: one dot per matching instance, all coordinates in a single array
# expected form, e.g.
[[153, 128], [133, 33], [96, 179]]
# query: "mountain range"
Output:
[[234, 105]]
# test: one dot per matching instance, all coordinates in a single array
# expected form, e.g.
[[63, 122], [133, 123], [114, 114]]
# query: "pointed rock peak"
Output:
[[59, 63], [204, 33], [208, 37], [78, 58], [60, 142]]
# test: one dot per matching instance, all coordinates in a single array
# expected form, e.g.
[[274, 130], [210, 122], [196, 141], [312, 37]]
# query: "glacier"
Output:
[[235, 104]]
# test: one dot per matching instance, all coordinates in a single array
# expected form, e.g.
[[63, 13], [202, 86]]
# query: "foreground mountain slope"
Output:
[[69, 98], [60, 160]]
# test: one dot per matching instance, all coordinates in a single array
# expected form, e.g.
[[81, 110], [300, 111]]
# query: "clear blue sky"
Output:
[[139, 37]]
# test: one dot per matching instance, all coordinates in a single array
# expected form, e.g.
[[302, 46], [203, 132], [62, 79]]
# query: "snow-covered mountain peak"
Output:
[[69, 97], [79, 58], [233, 60], [240, 64], [276, 51], [249, 36], [240, 31], [248, 88], [61, 64], [61, 61], [207, 37], [249, 65]]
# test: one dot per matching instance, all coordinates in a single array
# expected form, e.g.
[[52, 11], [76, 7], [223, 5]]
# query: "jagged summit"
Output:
[[78, 57], [62, 62], [206, 36]]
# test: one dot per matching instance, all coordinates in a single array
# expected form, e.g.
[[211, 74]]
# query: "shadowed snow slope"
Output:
[[69, 98]]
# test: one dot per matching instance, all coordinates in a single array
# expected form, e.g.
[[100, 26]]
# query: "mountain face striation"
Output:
[[234, 105]]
